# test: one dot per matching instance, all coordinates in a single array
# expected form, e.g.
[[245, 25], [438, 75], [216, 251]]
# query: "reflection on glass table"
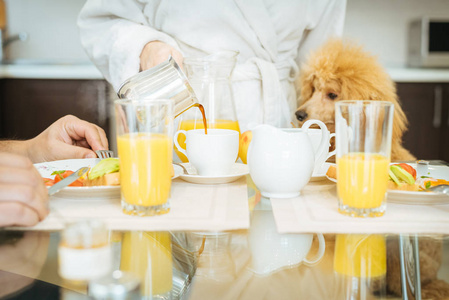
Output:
[[229, 265]]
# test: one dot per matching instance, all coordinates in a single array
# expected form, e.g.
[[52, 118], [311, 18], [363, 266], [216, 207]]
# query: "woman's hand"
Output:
[[157, 52], [23, 196]]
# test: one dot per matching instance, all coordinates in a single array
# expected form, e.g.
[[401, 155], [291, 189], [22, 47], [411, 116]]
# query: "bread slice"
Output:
[[403, 186], [107, 179], [332, 172]]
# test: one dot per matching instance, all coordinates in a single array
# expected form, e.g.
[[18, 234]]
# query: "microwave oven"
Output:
[[428, 43]]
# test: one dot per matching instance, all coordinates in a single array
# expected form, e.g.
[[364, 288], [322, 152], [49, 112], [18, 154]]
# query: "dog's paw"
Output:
[[435, 289]]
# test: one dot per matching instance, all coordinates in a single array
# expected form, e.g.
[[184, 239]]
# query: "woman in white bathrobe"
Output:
[[272, 37]]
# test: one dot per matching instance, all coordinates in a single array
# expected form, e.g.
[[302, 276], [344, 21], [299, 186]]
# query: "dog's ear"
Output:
[[306, 87]]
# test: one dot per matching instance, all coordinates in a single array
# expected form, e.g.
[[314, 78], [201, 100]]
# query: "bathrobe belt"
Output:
[[275, 106]]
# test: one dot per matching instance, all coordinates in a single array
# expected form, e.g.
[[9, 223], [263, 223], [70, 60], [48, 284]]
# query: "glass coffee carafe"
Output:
[[209, 77]]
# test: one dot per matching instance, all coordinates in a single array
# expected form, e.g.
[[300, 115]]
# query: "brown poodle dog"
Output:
[[343, 71]]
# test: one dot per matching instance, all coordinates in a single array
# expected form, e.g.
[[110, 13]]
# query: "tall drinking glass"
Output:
[[363, 141], [144, 142]]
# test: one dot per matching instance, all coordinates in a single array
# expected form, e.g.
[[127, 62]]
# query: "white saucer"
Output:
[[321, 175], [238, 170]]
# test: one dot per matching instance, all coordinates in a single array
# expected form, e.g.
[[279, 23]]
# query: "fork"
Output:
[[442, 189], [183, 168], [104, 153]]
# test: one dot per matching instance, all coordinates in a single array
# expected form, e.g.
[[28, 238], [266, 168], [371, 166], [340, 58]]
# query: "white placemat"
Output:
[[193, 207], [315, 210]]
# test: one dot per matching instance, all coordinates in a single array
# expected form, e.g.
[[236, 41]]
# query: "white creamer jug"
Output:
[[281, 160], [272, 251]]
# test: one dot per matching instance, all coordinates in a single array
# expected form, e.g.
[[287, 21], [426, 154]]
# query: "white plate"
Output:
[[408, 197], [83, 192], [322, 173], [238, 170]]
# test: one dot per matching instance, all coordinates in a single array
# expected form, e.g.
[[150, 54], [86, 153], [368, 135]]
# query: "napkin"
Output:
[[315, 210], [193, 207]]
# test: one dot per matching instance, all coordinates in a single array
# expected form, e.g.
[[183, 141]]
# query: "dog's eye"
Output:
[[332, 96]]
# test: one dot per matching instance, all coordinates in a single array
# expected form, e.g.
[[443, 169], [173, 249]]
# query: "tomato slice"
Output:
[[49, 181], [59, 177], [77, 182], [408, 168]]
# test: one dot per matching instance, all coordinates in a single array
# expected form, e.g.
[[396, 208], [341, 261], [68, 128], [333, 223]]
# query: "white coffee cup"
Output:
[[211, 154], [315, 138]]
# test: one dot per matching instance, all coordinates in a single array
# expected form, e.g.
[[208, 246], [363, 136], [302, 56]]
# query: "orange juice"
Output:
[[145, 168], [362, 179], [149, 256], [360, 255], [198, 124]]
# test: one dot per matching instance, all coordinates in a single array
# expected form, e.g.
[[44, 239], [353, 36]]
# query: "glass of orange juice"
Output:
[[363, 142], [144, 142]]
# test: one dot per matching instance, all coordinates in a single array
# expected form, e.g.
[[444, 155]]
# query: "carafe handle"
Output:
[[175, 140], [324, 136]]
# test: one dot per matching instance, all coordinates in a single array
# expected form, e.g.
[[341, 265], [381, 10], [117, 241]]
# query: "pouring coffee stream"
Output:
[[201, 108]]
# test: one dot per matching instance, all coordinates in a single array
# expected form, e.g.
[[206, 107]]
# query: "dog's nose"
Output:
[[301, 115]]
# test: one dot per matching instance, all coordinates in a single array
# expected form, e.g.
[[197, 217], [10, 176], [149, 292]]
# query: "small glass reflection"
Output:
[[214, 255]]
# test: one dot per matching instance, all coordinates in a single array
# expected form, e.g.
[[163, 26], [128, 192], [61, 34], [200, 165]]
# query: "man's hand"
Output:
[[22, 256], [23, 196], [157, 52], [68, 137]]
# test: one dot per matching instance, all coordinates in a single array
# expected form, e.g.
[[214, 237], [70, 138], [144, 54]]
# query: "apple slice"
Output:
[[393, 177], [402, 174], [245, 140]]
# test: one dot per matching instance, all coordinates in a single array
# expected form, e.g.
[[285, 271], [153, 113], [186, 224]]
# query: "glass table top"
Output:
[[255, 263]]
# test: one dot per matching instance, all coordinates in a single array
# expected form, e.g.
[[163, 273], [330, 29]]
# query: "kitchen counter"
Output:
[[50, 71], [418, 75], [89, 71]]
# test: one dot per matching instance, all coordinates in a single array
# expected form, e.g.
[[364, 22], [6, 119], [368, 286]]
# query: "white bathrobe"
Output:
[[272, 36]]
